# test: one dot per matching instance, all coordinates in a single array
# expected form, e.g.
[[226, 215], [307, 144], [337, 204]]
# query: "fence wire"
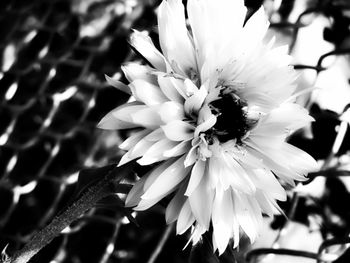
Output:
[[54, 55]]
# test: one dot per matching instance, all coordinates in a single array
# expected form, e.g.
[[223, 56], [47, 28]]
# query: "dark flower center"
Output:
[[231, 121]]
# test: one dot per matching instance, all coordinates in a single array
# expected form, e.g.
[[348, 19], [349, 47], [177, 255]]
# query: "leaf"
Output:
[[114, 203], [88, 177]]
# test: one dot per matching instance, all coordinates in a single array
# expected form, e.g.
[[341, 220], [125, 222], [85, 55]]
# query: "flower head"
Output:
[[213, 110]]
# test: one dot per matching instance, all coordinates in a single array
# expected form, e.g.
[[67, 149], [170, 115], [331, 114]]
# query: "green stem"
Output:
[[87, 200]]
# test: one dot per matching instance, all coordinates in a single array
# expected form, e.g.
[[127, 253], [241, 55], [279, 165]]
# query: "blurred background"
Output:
[[53, 57]]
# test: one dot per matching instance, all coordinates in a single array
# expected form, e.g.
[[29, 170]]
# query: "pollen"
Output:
[[231, 121]]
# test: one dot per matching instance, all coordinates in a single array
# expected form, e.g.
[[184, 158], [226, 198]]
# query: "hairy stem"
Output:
[[86, 201]]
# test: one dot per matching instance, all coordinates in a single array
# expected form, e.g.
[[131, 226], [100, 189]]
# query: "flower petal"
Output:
[[185, 219], [196, 176], [134, 71], [178, 130], [201, 201], [171, 88], [248, 214], [222, 217], [146, 92], [150, 178], [255, 29], [168, 180], [266, 181], [268, 205], [109, 122], [195, 102], [147, 117], [134, 196], [177, 150], [173, 36], [281, 120], [170, 111], [118, 84], [155, 152], [175, 205], [206, 120], [144, 45], [133, 139], [192, 156], [210, 21], [120, 117], [230, 173], [156, 172]]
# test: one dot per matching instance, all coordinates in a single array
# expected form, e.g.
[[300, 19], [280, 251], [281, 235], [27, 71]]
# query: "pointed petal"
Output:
[[134, 71], [206, 120], [146, 92], [248, 214], [240, 175], [125, 111], [266, 181], [146, 204], [155, 152], [288, 116], [179, 149], [147, 117], [195, 102], [120, 117], [178, 130], [196, 235], [168, 180], [173, 35], [210, 21], [118, 84], [171, 88], [170, 111], [144, 45], [222, 218], [134, 196], [192, 156], [155, 135], [109, 122], [175, 205], [153, 175], [201, 201], [267, 205], [196, 176], [274, 160], [299, 160], [255, 29], [133, 139], [185, 219], [156, 172], [137, 151]]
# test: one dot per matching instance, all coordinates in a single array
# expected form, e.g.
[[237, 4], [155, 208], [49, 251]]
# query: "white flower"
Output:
[[214, 109]]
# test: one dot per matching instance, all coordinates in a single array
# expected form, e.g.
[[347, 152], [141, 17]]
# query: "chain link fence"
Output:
[[53, 57]]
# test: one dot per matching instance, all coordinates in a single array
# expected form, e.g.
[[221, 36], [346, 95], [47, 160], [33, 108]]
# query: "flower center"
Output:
[[232, 122]]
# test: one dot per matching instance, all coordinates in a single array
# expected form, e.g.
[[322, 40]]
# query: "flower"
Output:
[[213, 111]]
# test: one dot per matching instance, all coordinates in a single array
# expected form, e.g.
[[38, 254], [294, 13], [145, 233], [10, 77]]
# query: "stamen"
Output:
[[232, 122]]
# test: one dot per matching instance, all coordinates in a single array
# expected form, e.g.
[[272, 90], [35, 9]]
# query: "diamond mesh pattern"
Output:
[[53, 57]]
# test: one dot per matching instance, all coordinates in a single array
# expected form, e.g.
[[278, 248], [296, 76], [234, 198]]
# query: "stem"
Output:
[[279, 251], [161, 243], [88, 200]]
